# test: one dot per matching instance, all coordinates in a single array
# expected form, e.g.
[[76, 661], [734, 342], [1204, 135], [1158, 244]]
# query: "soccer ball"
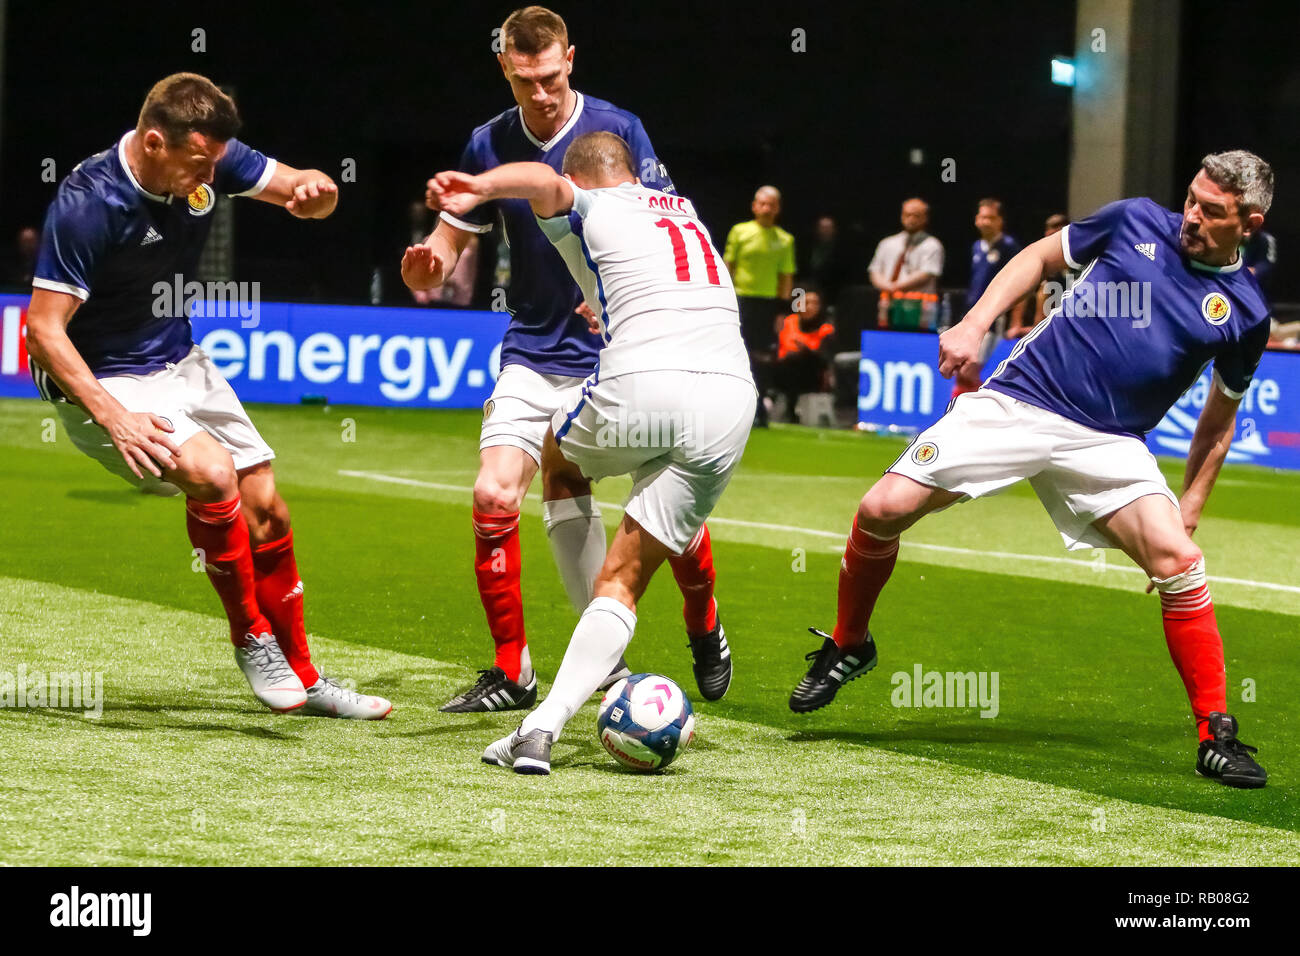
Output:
[[645, 721]]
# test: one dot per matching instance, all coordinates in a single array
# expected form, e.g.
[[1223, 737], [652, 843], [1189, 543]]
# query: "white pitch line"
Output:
[[839, 536]]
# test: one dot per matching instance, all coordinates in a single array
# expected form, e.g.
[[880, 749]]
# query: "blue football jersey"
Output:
[[109, 242], [985, 262], [544, 332], [1138, 326]]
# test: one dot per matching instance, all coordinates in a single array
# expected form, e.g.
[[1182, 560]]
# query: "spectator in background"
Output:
[[828, 266], [989, 253], [1260, 254], [805, 340], [21, 264], [1050, 289], [760, 257], [905, 270]]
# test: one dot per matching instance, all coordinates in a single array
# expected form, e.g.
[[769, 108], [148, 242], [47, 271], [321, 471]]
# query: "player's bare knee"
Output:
[[884, 515], [220, 475], [494, 497], [1175, 561], [209, 479]]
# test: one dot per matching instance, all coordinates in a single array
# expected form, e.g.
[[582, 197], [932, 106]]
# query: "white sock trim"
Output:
[[566, 509], [1189, 580], [611, 606]]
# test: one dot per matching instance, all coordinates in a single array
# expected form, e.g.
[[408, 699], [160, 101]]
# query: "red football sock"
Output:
[[279, 594], [1197, 649], [693, 569], [868, 563], [496, 565], [218, 531], [968, 382]]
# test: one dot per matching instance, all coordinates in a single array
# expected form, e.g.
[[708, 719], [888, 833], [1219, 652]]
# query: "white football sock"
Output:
[[578, 542], [598, 642]]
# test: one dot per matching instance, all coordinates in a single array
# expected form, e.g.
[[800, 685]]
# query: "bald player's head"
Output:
[[600, 159], [766, 205]]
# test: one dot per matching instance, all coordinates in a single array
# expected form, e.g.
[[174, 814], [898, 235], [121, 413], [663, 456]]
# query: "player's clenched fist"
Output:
[[421, 268], [313, 199], [958, 346]]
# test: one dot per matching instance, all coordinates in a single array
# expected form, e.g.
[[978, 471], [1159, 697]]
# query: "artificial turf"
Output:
[[1088, 759]]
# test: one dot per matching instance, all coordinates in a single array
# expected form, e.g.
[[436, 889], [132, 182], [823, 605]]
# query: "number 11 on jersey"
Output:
[[679, 251]]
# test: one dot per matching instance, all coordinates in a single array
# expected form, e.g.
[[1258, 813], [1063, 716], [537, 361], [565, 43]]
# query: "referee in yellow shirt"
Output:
[[760, 257]]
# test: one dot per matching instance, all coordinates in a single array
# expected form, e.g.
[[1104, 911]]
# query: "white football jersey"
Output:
[[648, 269]]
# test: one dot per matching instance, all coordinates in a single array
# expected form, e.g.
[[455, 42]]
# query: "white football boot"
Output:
[[328, 698], [273, 681], [523, 753]]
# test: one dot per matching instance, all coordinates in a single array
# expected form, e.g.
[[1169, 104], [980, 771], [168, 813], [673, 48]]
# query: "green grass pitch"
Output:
[[1088, 760]]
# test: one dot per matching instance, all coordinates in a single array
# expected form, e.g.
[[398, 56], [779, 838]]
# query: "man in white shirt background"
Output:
[[906, 268]]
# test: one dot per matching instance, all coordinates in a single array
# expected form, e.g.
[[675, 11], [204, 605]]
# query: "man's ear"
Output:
[[568, 56], [153, 141], [502, 61], [1254, 223]]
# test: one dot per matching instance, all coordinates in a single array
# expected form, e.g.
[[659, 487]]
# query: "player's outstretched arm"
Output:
[[960, 344], [305, 193], [139, 436], [547, 192], [1208, 451]]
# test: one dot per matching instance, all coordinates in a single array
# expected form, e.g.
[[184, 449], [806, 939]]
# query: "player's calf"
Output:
[[695, 575]]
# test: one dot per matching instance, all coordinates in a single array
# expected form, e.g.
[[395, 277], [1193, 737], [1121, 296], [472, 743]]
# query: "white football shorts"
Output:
[[192, 395], [988, 441], [520, 409], [680, 435]]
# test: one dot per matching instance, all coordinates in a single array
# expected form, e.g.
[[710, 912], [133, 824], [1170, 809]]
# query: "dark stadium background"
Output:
[[398, 87]]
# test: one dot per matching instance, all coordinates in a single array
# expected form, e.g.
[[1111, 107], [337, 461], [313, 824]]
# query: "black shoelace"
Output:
[[822, 660], [1236, 748], [486, 678]]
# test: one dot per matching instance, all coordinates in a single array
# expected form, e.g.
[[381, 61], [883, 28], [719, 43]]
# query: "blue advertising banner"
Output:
[[355, 355], [900, 389]]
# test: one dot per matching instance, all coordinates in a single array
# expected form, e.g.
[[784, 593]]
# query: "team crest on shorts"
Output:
[[1216, 308], [925, 453], [488, 406], [201, 200]]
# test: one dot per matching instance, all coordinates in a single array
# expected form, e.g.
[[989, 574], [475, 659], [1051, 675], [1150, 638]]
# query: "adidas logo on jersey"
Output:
[[153, 235], [1147, 249]]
